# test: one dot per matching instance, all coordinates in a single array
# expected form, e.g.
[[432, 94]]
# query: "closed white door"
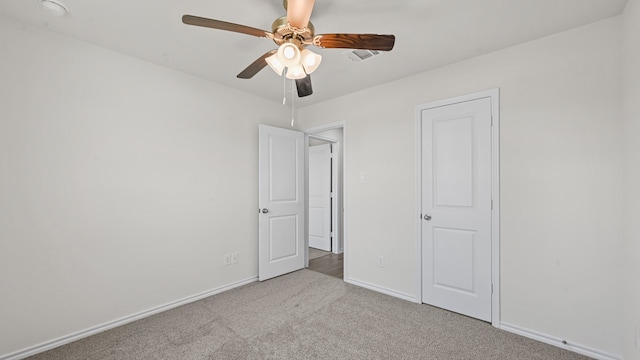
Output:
[[320, 197], [281, 201], [456, 207]]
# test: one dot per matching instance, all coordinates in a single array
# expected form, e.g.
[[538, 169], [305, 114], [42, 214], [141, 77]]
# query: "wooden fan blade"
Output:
[[304, 86], [223, 25], [256, 66], [299, 12], [355, 41]]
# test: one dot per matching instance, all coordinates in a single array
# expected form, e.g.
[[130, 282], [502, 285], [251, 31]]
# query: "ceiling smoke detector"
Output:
[[55, 7]]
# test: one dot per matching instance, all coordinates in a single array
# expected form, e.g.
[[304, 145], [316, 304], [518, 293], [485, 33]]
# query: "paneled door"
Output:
[[281, 201], [320, 197], [456, 207]]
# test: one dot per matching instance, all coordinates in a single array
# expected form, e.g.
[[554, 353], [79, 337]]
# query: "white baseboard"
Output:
[[48, 345], [577, 348], [381, 289]]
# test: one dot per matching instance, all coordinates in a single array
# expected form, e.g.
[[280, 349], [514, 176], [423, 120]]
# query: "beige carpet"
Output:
[[306, 315]]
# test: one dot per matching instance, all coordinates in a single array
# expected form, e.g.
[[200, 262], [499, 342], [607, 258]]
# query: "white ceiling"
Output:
[[429, 34]]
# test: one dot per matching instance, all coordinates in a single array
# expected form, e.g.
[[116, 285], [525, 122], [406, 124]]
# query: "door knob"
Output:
[[427, 217], [265, 210]]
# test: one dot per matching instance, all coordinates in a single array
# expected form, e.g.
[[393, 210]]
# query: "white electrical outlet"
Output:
[[227, 259], [381, 261], [234, 258]]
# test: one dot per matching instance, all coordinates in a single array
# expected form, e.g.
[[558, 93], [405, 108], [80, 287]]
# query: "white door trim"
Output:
[[323, 138], [321, 128], [494, 95], [336, 239]]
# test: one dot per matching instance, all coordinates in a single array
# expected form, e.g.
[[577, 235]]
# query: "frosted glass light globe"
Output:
[[289, 54]]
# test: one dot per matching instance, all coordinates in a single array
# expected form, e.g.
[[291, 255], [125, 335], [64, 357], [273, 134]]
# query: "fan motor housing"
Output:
[[283, 32]]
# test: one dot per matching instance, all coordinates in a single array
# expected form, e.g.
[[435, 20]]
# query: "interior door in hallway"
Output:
[[281, 201], [320, 197], [456, 207]]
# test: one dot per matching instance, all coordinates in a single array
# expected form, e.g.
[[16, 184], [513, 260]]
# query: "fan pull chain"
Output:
[[284, 90], [292, 102], [284, 96]]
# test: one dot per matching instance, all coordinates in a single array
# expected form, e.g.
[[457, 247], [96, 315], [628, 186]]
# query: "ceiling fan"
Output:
[[293, 33]]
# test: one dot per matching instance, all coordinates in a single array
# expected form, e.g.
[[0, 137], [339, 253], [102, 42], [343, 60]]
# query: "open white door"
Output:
[[281, 199], [320, 197], [456, 207]]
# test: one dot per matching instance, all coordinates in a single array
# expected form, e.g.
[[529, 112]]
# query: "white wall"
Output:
[[561, 179], [632, 191], [122, 185]]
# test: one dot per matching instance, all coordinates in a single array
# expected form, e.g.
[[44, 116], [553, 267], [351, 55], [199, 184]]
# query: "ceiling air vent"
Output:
[[361, 55]]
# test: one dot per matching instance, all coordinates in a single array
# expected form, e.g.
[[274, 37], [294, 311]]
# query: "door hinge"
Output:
[[331, 194], [491, 204], [492, 120], [491, 288]]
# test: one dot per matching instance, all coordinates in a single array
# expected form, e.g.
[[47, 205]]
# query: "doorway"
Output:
[[325, 200], [458, 203], [283, 194]]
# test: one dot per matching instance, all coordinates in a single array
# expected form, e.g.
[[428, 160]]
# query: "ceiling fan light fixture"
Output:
[[275, 64], [289, 54], [296, 72], [310, 60], [292, 34], [54, 7]]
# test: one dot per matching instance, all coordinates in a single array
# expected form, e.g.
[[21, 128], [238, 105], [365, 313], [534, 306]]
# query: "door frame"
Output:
[[343, 146], [494, 95]]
